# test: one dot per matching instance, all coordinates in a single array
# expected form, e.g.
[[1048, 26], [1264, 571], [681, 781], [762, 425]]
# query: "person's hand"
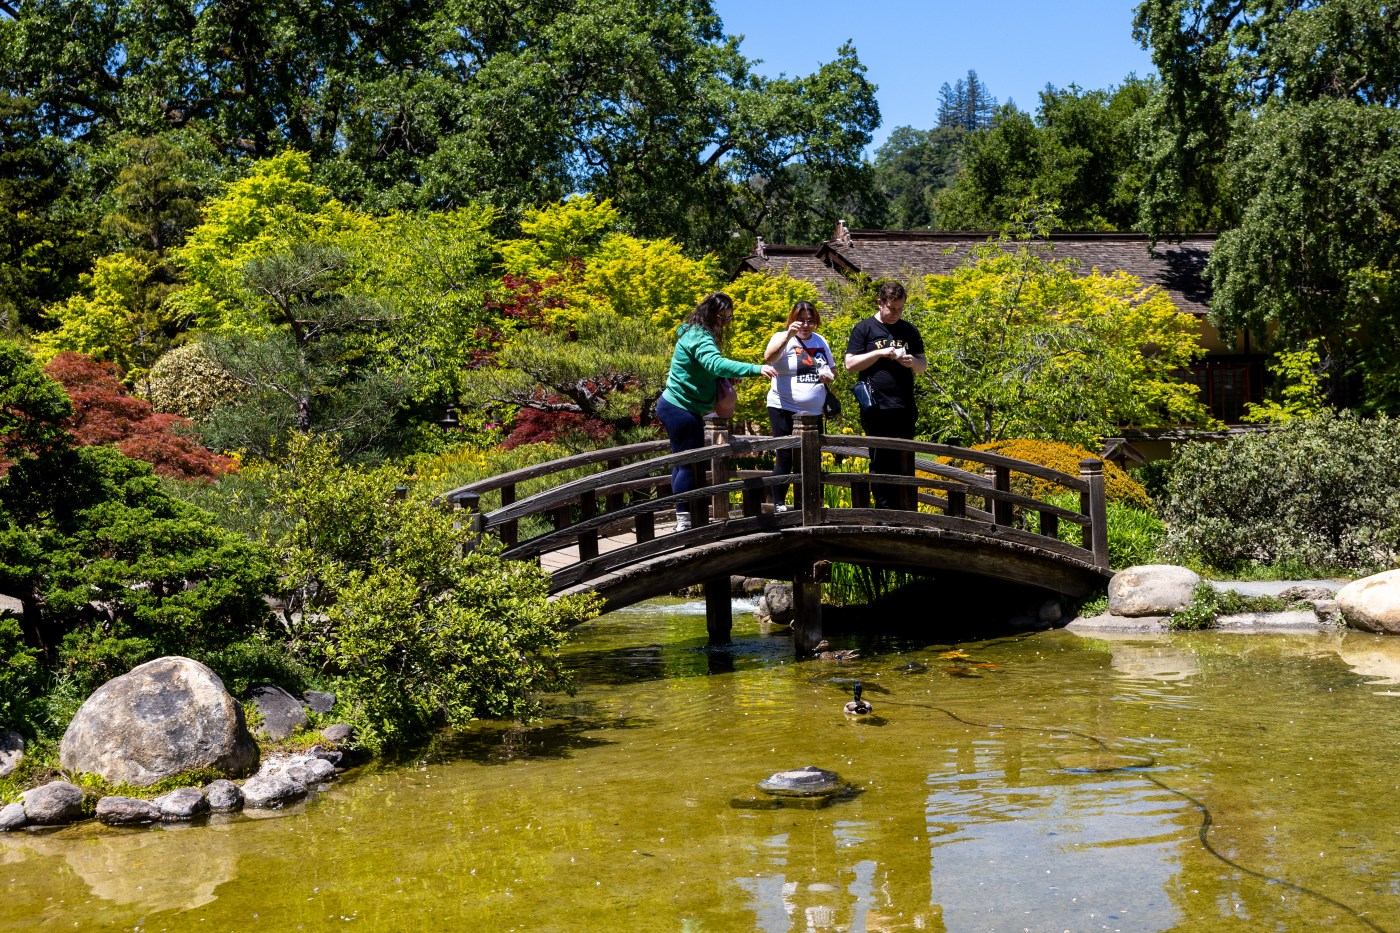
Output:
[[826, 376], [793, 329], [906, 360], [769, 372]]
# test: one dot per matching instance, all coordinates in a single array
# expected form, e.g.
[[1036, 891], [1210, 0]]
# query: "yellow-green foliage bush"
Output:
[[1118, 485]]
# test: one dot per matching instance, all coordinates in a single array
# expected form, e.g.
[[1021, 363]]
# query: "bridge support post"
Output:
[[719, 616], [807, 611]]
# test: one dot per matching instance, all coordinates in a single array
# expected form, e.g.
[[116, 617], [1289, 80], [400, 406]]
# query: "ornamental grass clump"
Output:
[[1321, 493]]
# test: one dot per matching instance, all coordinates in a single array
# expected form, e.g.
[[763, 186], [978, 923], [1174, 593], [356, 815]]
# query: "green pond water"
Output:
[[1046, 782]]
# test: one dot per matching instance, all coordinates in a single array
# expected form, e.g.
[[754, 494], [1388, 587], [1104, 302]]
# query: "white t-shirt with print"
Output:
[[798, 387]]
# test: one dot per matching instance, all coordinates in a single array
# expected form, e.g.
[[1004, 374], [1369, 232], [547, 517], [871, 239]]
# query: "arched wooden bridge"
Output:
[[609, 530]]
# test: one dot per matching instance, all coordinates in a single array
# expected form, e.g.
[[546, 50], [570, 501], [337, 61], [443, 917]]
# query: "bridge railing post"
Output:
[[1094, 504], [470, 504], [717, 434], [809, 433], [1001, 510]]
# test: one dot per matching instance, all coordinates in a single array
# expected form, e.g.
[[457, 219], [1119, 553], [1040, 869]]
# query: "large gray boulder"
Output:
[[54, 803], [164, 717], [11, 752], [776, 606], [1150, 590], [1372, 604]]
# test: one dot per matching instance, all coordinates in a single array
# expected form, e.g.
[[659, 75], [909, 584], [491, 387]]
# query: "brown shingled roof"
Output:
[[1176, 267], [800, 262]]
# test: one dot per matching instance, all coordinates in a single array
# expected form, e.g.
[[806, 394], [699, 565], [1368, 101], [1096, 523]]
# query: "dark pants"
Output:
[[889, 422], [780, 425], [686, 431]]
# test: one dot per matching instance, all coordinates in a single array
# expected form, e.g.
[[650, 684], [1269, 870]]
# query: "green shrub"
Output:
[[1135, 536], [1320, 493], [409, 631]]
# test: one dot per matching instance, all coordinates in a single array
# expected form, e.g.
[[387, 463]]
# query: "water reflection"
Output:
[[615, 811], [161, 868]]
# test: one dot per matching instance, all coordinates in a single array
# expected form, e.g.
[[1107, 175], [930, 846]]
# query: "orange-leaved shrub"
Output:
[[1118, 485]]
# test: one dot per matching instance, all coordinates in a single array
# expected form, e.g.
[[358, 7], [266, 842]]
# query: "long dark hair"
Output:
[[708, 312]]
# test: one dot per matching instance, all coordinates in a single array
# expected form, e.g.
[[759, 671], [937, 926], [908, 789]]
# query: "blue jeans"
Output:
[[686, 431]]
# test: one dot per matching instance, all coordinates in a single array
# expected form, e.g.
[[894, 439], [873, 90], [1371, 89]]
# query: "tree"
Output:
[[587, 317], [110, 570], [966, 105], [1276, 121], [438, 104], [1080, 153], [1019, 344], [119, 317], [104, 413], [911, 167], [319, 366], [386, 598]]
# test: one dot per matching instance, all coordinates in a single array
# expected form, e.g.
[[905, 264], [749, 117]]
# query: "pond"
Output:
[[1044, 782]]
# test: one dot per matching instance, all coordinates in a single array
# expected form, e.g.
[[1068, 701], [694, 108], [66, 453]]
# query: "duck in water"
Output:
[[839, 654], [859, 707]]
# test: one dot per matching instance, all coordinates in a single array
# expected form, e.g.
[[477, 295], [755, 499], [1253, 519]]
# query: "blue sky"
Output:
[[912, 46]]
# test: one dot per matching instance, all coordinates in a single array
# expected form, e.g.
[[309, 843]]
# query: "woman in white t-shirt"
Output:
[[804, 364]]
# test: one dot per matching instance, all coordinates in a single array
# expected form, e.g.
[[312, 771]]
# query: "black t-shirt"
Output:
[[893, 383]]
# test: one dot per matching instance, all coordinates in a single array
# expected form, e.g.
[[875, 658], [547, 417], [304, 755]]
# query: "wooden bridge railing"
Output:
[[621, 502]]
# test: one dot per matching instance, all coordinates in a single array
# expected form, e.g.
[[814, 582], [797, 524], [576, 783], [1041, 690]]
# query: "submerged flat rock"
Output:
[[810, 781]]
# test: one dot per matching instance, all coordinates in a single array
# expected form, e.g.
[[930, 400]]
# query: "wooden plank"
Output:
[[709, 534], [562, 537]]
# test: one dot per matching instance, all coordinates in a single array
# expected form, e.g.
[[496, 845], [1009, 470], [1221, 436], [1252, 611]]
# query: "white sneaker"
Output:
[[682, 521], [783, 508]]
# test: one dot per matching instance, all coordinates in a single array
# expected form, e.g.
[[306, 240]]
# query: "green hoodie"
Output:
[[695, 366]]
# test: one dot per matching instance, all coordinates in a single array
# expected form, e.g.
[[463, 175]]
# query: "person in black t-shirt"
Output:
[[887, 351]]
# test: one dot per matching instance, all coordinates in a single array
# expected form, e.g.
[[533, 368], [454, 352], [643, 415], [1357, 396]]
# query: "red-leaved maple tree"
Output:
[[105, 413]]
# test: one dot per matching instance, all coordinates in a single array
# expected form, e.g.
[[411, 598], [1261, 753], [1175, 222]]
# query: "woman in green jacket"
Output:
[[692, 386]]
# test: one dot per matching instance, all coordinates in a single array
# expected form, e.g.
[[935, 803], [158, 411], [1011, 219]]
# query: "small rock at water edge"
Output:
[[54, 803], [127, 811], [182, 804], [12, 817], [267, 791], [223, 796], [1150, 590], [282, 714]]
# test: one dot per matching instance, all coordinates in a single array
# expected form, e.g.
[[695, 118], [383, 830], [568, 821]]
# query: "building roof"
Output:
[[1176, 267]]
